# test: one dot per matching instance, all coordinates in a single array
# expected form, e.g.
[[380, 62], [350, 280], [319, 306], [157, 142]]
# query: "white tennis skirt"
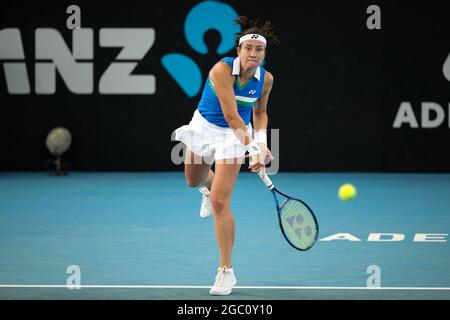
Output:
[[208, 140]]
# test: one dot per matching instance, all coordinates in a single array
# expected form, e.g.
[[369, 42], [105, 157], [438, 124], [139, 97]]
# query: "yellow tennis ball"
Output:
[[347, 192]]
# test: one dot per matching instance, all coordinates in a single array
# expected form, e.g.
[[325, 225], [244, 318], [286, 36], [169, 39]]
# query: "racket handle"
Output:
[[263, 175], [265, 178]]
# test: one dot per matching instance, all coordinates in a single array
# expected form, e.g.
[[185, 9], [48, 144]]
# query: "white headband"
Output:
[[253, 36]]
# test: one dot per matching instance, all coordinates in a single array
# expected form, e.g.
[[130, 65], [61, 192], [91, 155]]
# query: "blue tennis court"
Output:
[[139, 236]]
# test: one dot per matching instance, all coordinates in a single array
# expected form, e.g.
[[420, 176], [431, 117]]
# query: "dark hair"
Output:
[[249, 26]]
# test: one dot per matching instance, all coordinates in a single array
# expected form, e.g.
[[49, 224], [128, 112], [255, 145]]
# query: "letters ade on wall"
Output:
[[345, 98]]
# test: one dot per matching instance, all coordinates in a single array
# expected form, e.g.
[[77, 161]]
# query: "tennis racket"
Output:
[[297, 221]]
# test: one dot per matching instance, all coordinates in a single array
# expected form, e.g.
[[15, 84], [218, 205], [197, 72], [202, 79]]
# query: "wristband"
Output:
[[252, 148], [261, 136]]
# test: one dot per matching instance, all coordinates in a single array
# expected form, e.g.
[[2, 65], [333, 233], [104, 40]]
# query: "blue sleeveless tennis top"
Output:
[[246, 95]]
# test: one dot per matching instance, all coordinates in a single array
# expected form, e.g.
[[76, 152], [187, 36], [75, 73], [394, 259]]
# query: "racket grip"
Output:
[[265, 178], [263, 175]]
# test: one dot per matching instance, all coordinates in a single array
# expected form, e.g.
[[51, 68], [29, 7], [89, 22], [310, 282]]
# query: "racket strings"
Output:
[[298, 224]]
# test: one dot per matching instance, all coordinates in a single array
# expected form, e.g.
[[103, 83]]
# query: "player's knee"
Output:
[[219, 203], [193, 182]]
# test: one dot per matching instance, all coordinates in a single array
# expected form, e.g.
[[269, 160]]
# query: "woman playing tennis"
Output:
[[220, 132]]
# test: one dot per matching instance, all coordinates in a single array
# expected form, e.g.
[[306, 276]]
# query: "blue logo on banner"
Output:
[[203, 17]]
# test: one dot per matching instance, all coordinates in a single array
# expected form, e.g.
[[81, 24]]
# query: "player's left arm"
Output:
[[260, 117]]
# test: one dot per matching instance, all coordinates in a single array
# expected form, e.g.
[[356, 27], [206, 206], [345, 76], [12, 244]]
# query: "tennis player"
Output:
[[220, 132]]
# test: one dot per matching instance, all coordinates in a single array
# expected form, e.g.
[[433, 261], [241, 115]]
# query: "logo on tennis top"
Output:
[[252, 91]]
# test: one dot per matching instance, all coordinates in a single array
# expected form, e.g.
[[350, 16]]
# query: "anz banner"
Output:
[[358, 86]]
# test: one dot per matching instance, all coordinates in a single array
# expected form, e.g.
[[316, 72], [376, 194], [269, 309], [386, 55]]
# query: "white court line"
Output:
[[207, 287]]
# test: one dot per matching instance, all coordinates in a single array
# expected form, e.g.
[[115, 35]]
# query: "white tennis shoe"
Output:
[[225, 280], [206, 209]]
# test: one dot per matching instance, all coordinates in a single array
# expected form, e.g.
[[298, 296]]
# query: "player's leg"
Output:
[[197, 170], [222, 187], [224, 179], [199, 174]]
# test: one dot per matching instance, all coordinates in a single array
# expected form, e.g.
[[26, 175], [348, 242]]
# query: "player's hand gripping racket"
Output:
[[297, 221]]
